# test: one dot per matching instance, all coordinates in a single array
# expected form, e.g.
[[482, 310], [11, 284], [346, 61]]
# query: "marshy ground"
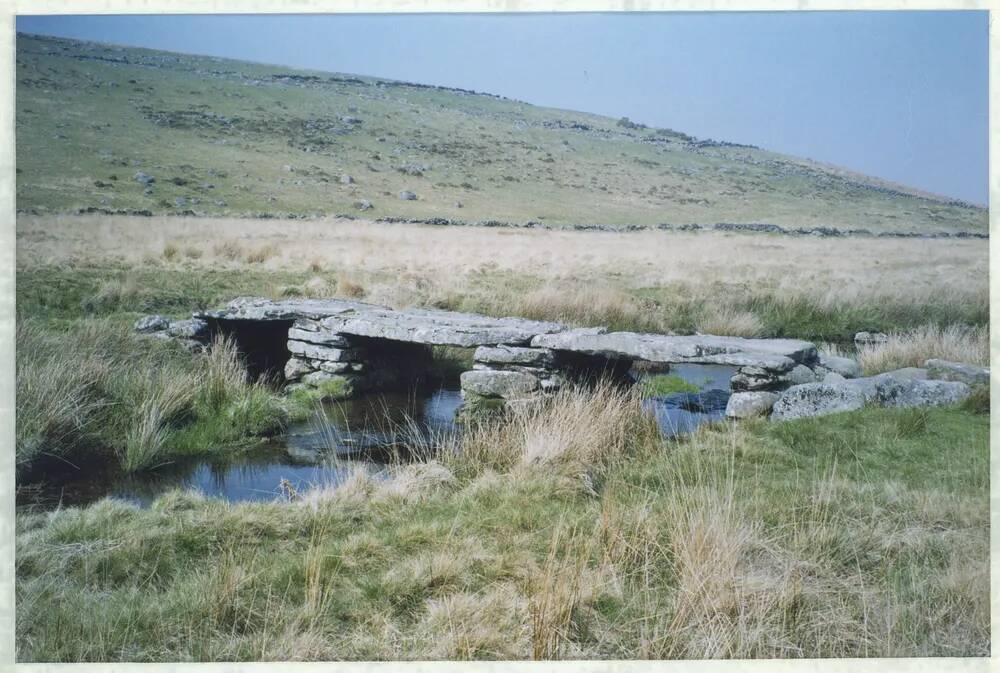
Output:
[[571, 530]]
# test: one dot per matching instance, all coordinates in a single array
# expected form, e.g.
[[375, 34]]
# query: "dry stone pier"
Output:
[[342, 347]]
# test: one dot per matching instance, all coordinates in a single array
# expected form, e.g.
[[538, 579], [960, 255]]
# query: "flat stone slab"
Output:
[[435, 327], [514, 355], [258, 308], [779, 355]]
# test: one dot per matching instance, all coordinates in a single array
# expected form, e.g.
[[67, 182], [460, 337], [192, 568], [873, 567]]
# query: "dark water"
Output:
[[368, 432], [675, 420]]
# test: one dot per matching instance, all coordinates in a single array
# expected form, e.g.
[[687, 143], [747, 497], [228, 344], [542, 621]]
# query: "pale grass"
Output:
[[571, 434], [491, 624], [557, 591], [446, 258], [585, 305], [727, 321], [910, 349]]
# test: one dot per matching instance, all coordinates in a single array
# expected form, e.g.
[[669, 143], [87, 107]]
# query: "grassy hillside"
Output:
[[228, 137]]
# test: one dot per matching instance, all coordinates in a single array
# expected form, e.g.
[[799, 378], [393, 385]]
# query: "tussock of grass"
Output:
[[98, 390], [910, 349], [725, 320]]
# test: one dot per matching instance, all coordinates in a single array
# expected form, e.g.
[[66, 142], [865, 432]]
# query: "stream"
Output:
[[370, 432]]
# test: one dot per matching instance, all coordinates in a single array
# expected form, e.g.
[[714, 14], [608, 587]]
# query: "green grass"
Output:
[[666, 384], [94, 391], [219, 133], [864, 534]]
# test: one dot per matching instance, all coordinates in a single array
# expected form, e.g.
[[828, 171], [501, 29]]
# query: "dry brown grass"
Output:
[[450, 256], [911, 349]]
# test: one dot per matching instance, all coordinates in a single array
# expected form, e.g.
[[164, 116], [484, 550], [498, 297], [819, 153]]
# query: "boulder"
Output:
[[144, 178], [346, 179], [816, 399], [800, 374], [407, 196], [946, 370], [363, 204], [151, 323], [833, 377], [846, 367], [514, 355], [884, 390], [491, 383], [750, 404], [909, 373], [891, 391]]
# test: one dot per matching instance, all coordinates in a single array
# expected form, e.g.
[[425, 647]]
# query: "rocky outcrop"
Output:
[[884, 390]]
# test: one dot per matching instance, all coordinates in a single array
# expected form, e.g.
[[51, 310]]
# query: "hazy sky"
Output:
[[900, 95]]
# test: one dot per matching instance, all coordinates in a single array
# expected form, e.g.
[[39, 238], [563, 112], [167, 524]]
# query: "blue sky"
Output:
[[900, 95]]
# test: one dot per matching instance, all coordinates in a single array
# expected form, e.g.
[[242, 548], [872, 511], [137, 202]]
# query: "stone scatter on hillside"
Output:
[[504, 161]]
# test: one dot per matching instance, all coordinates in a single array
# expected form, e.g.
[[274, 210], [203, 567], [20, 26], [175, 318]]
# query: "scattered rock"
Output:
[[413, 169], [346, 179], [180, 201], [751, 404], [151, 323], [193, 328], [407, 196], [458, 204], [363, 204], [143, 178], [946, 370], [817, 399]]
